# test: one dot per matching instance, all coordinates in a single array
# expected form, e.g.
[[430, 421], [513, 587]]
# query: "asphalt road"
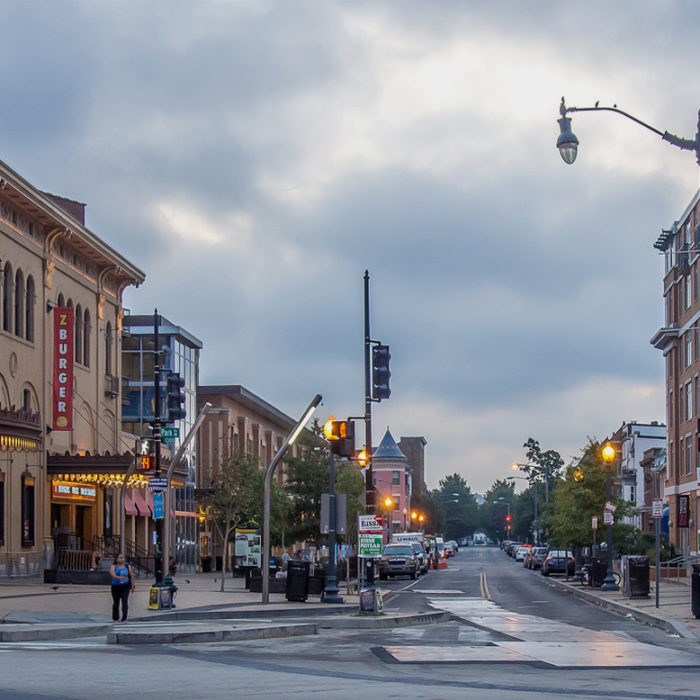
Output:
[[354, 664]]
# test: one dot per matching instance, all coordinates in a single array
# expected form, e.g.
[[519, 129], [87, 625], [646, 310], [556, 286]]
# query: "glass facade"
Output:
[[181, 355]]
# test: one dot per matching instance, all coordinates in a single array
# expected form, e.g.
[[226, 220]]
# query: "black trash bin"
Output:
[[638, 577], [596, 574], [297, 580], [695, 591], [206, 565]]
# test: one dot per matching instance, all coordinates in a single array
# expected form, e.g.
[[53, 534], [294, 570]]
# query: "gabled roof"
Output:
[[388, 450]]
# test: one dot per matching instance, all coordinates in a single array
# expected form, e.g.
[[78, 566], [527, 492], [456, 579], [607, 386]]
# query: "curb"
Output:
[[225, 635], [664, 623], [386, 622], [231, 613], [34, 633]]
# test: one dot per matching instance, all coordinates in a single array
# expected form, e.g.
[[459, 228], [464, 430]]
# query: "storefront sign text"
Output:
[[63, 322]]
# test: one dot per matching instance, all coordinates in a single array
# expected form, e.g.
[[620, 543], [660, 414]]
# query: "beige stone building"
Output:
[[58, 475]]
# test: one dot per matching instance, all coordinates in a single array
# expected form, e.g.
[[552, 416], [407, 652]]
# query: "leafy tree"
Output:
[[350, 481], [501, 499], [579, 497], [235, 499], [461, 509], [543, 467]]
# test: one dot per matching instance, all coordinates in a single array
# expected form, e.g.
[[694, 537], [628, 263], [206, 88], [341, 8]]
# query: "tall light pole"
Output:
[[609, 584], [567, 143], [537, 468], [290, 439], [534, 485]]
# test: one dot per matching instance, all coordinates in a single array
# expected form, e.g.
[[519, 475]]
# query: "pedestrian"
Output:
[[122, 585]]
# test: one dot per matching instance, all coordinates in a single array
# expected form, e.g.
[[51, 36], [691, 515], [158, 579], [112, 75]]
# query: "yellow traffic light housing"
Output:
[[341, 435], [362, 457]]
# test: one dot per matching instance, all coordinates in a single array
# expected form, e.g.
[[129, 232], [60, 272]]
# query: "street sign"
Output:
[[369, 524], [169, 432], [657, 508], [594, 522], [608, 518], [370, 545], [158, 483], [158, 505], [610, 506]]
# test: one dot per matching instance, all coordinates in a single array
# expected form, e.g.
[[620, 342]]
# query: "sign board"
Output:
[[610, 506], [683, 510], [73, 492], [158, 505], [370, 545], [158, 483], [608, 518], [62, 398], [594, 522], [369, 524], [657, 508], [248, 550], [340, 513], [169, 432]]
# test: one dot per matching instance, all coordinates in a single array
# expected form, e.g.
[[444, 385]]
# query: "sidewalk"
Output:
[[32, 601], [673, 614]]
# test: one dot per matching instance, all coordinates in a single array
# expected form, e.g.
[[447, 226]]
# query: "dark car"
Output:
[[398, 560], [558, 561]]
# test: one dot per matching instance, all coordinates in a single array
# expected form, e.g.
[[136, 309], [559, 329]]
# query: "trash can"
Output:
[[596, 573], [695, 591], [297, 580], [206, 565], [638, 576]]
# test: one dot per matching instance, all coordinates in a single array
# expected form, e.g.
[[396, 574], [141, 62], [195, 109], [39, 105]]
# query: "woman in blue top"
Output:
[[122, 585]]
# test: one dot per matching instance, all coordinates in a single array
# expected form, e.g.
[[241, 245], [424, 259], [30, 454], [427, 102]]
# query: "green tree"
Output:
[[543, 467], [500, 500], [350, 481], [579, 497], [235, 499], [461, 509]]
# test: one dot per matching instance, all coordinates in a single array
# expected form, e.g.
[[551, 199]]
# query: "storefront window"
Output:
[[27, 511]]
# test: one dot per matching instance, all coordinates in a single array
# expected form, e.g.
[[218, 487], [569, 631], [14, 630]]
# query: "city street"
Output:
[[500, 610]]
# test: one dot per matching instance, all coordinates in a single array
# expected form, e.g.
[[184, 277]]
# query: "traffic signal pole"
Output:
[[160, 565], [369, 481]]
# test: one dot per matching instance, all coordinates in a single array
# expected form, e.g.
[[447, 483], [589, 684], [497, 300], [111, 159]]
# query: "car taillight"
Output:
[[550, 560]]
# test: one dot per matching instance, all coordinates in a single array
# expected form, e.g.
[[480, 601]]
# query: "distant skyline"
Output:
[[254, 158]]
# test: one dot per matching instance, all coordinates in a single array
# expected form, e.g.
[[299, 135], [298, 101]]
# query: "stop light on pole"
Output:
[[508, 523], [380, 372], [176, 397], [341, 436]]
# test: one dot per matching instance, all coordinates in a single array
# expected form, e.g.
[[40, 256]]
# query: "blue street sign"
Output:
[[158, 505]]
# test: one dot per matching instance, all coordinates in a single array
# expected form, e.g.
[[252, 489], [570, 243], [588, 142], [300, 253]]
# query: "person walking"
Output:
[[122, 584]]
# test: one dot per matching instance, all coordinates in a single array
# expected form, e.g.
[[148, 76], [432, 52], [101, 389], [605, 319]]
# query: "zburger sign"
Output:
[[63, 322]]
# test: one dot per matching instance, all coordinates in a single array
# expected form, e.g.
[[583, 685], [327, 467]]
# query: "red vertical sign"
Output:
[[63, 321]]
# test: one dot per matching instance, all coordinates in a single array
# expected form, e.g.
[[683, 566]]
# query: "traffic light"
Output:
[[361, 457], [507, 518], [176, 397], [380, 372], [341, 435], [145, 457]]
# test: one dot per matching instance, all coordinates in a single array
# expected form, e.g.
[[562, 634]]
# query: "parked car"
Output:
[[535, 557], [423, 562], [512, 546], [558, 561], [398, 560], [520, 551], [450, 548]]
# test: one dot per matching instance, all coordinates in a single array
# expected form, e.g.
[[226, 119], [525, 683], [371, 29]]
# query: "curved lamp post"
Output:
[[567, 143], [609, 584], [533, 483]]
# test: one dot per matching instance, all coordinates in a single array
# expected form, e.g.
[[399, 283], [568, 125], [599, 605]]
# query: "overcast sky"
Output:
[[253, 158]]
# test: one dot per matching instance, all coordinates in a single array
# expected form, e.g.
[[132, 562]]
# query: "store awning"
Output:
[[140, 501], [129, 506]]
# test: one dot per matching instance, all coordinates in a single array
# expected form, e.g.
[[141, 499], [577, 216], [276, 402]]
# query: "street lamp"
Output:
[[268, 488], [537, 468], [609, 584], [567, 143]]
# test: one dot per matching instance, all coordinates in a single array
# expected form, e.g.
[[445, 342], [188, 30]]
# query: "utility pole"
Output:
[[159, 566], [369, 480]]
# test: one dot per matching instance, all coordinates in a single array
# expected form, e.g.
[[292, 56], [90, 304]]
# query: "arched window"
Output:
[[86, 338], [7, 287], [60, 301], [29, 310], [78, 351], [19, 303], [108, 348]]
